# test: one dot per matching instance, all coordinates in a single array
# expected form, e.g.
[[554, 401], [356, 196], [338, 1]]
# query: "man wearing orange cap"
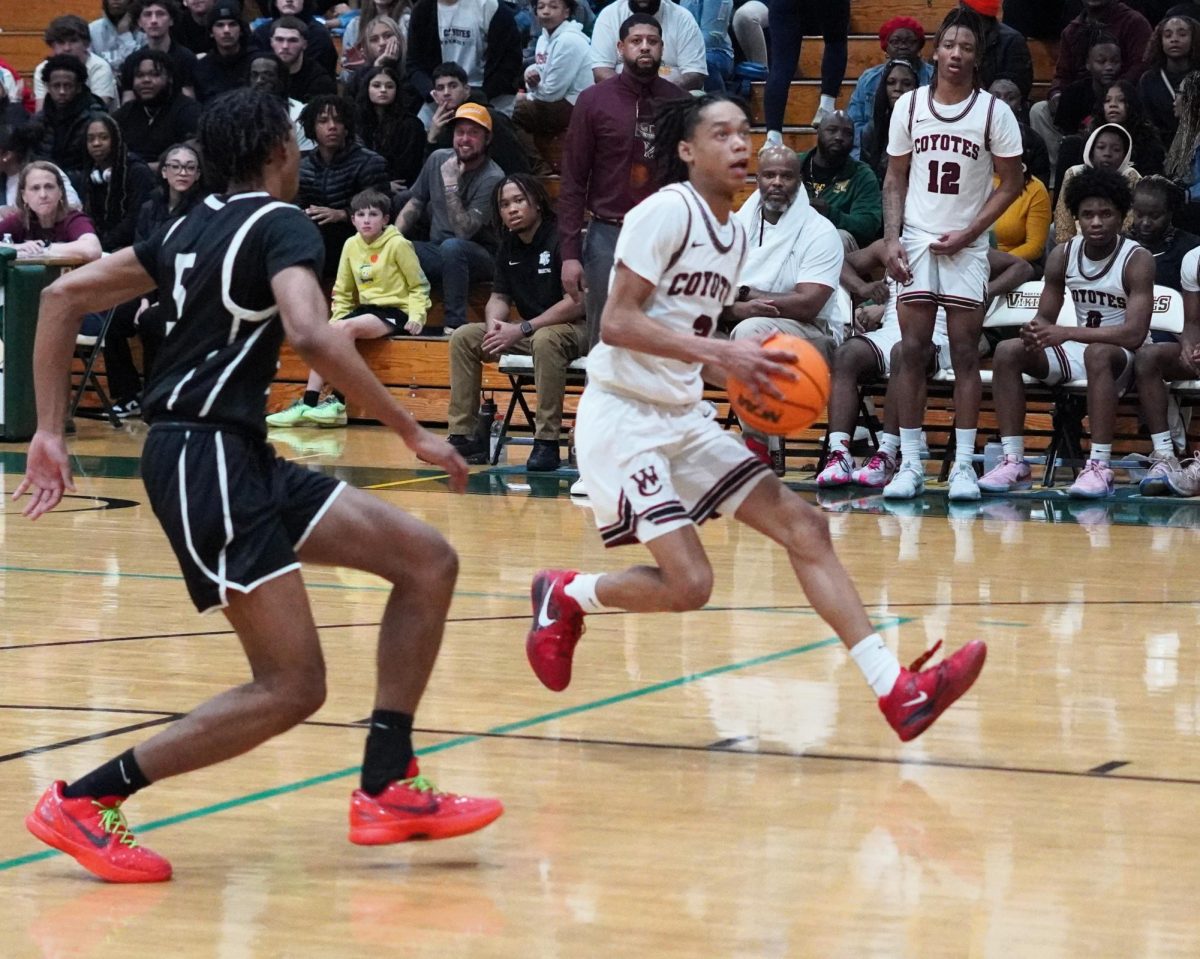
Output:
[[454, 195]]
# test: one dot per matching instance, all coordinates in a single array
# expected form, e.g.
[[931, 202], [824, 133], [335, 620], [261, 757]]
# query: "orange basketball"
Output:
[[804, 397]]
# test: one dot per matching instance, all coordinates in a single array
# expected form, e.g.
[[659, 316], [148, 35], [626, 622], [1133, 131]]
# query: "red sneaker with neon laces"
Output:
[[95, 834], [557, 626], [921, 696], [414, 808]]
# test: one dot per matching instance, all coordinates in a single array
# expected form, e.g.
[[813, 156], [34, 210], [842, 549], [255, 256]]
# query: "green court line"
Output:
[[1000, 622], [467, 740]]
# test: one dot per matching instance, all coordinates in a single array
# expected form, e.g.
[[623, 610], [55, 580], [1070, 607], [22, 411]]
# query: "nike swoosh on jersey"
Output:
[[916, 701]]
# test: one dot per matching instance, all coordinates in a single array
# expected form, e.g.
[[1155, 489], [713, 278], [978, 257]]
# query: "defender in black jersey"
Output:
[[239, 272]]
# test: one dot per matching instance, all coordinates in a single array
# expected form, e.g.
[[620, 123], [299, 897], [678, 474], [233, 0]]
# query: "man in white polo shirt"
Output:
[[684, 61]]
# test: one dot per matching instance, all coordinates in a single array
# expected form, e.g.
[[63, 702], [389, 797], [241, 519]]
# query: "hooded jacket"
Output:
[[1065, 226], [562, 60], [385, 272]]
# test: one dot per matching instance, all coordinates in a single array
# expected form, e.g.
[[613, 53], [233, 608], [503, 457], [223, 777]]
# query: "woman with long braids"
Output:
[[655, 460], [945, 142], [388, 127], [898, 78], [1182, 165], [113, 185]]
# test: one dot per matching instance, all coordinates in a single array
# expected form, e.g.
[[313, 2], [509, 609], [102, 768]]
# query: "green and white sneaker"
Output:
[[292, 416], [329, 413]]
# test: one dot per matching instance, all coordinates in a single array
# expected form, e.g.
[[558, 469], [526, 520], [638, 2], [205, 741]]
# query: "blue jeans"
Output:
[[454, 265], [720, 71]]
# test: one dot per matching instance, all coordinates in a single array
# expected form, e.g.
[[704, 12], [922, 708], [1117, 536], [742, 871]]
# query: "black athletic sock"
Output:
[[389, 750], [120, 777], [311, 397]]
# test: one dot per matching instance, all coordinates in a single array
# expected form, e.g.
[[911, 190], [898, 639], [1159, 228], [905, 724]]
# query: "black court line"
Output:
[[832, 757], [161, 721], [1105, 768]]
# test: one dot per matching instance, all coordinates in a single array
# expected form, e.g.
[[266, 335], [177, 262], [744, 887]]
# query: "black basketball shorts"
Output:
[[235, 513]]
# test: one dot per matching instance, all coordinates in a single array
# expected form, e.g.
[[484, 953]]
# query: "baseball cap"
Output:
[[225, 10], [476, 114]]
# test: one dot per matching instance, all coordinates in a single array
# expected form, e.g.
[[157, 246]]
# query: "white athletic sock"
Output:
[[828, 102], [964, 446], [582, 589], [1014, 446], [1162, 443], [1101, 452], [889, 443], [878, 663], [839, 441], [910, 446]]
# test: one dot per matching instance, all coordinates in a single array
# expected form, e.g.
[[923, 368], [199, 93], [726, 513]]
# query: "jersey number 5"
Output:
[[183, 263], [943, 177]]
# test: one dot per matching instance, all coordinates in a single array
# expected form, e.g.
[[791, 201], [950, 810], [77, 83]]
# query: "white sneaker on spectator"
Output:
[[578, 489]]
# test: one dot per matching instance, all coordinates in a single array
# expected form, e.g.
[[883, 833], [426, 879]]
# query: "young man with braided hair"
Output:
[[243, 267], [656, 462], [944, 142]]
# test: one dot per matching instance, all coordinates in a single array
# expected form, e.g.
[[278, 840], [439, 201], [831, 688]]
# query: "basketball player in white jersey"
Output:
[[656, 462], [1111, 282], [868, 356], [944, 142]]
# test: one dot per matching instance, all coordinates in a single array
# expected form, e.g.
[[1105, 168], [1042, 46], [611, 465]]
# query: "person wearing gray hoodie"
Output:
[[560, 71], [1108, 148]]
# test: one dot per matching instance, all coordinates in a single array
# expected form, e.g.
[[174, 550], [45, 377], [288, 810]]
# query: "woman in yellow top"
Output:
[[1023, 228], [380, 290]]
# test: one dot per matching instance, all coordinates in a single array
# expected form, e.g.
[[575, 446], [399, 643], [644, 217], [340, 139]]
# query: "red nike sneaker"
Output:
[[557, 626], [95, 833], [921, 696], [414, 808]]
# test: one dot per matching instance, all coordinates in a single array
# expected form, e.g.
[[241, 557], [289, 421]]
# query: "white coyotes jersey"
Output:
[[673, 240], [1097, 288], [950, 172]]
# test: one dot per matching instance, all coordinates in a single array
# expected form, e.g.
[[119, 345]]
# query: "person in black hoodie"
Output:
[[320, 44], [305, 79], [68, 107], [496, 77], [388, 128], [158, 115], [334, 172], [113, 185], [227, 65]]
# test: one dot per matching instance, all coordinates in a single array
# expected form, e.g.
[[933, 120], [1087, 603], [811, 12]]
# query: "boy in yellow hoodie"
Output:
[[380, 290]]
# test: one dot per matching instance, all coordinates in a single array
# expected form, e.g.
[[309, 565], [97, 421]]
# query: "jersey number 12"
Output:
[[943, 177]]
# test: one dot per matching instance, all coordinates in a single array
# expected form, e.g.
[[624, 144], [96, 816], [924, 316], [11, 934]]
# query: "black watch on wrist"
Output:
[[526, 328], [743, 293]]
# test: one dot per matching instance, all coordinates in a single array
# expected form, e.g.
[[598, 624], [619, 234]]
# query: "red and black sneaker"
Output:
[[414, 808], [557, 626], [95, 833], [921, 696]]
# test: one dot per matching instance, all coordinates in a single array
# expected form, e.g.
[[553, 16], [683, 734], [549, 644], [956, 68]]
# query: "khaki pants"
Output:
[[552, 347]]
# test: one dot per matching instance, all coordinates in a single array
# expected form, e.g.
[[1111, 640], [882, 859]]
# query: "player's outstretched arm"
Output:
[[305, 317], [98, 286], [626, 324]]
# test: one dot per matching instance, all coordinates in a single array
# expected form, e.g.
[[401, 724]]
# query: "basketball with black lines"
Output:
[[804, 398]]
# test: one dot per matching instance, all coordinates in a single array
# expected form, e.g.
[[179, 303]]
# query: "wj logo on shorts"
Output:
[[647, 481]]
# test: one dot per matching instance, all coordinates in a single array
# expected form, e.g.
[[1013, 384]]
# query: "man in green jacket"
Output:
[[841, 188]]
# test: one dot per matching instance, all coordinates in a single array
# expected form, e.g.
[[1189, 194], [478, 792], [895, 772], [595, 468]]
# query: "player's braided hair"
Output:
[[238, 131], [968, 19], [675, 122], [1099, 184]]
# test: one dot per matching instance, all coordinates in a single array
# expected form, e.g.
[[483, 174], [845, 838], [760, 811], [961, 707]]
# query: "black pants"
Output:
[[790, 20], [124, 381]]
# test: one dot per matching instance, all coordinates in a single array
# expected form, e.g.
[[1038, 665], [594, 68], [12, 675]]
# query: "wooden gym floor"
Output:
[[714, 784]]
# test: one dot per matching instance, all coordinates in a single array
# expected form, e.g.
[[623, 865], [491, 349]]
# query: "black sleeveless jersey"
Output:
[[223, 333]]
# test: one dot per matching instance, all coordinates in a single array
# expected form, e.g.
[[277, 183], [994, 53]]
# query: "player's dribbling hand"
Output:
[[47, 474], [750, 362], [897, 262], [950, 243], [437, 452]]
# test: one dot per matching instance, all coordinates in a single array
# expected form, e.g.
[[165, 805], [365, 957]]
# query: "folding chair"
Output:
[[87, 350], [519, 370]]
